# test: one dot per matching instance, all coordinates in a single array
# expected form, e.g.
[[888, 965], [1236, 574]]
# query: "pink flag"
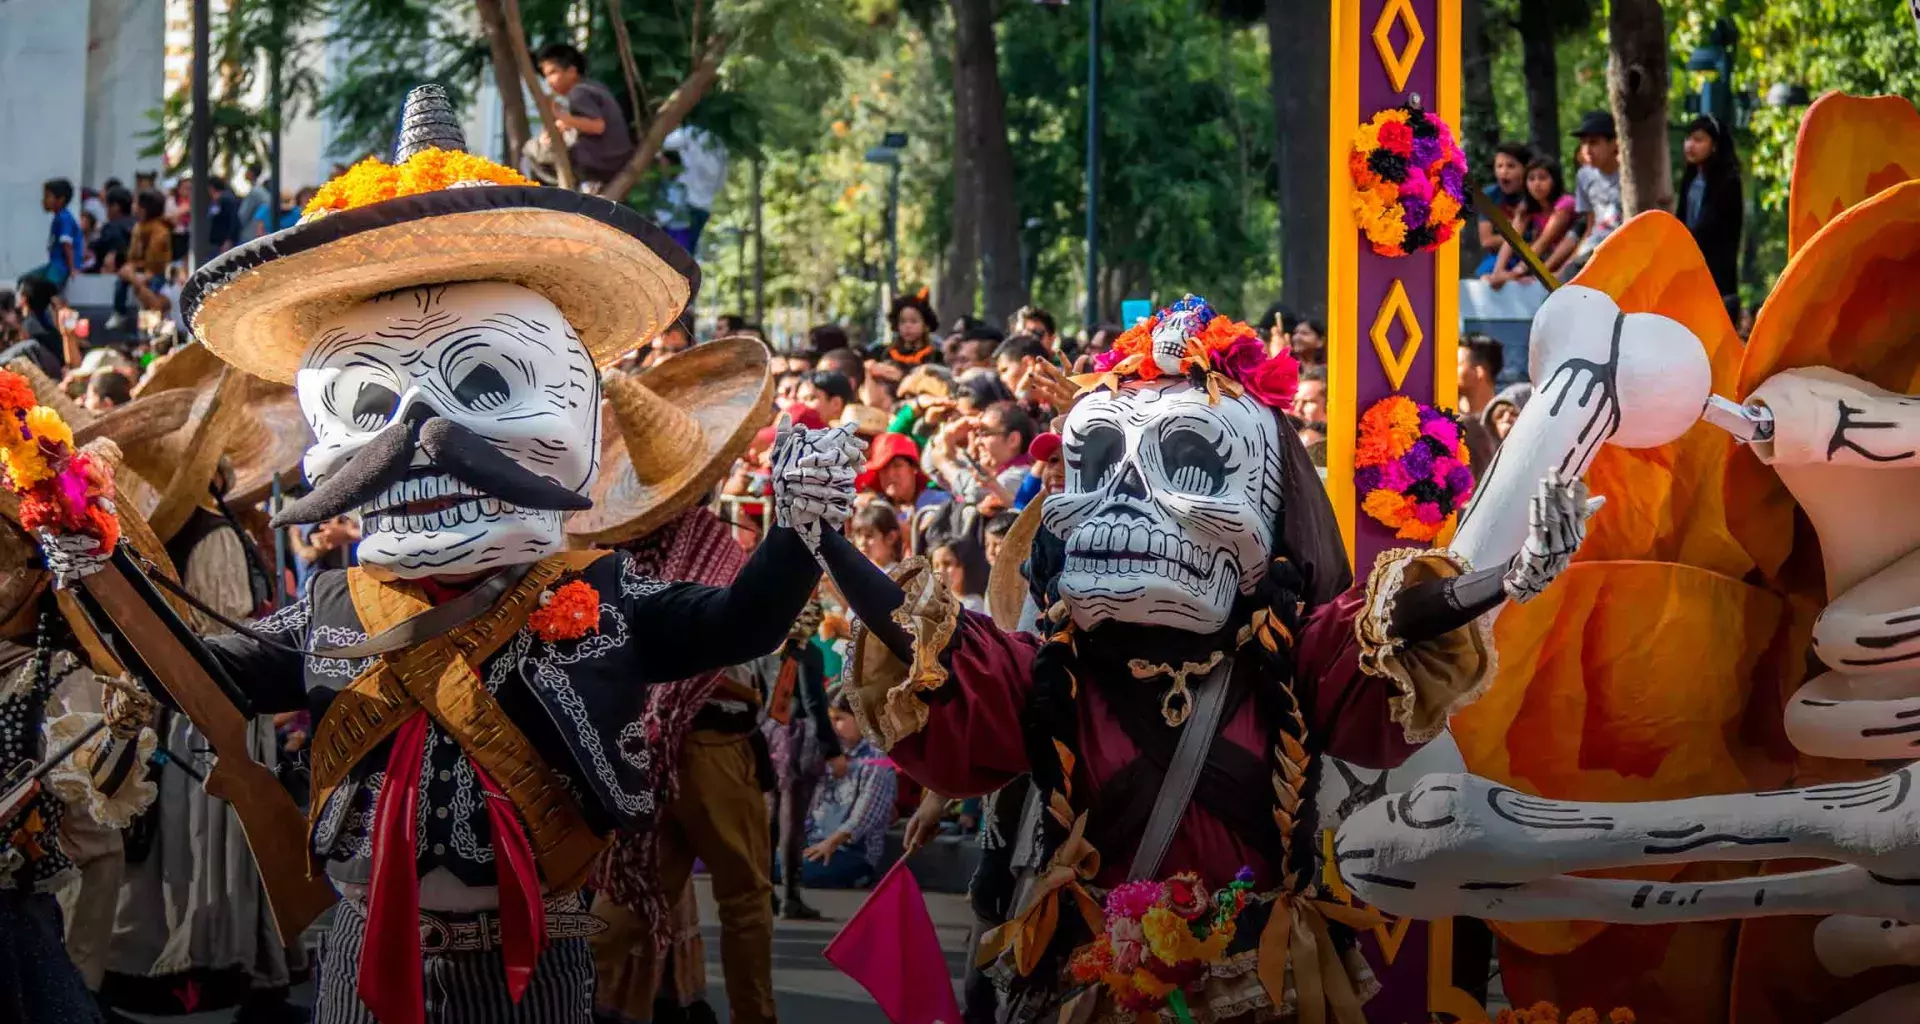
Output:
[[890, 948]]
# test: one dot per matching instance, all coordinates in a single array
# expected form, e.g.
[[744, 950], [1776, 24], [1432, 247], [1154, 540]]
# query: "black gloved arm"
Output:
[[689, 628], [871, 593], [1426, 611]]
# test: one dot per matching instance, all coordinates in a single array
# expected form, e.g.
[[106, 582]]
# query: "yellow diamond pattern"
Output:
[[1396, 308], [1398, 64]]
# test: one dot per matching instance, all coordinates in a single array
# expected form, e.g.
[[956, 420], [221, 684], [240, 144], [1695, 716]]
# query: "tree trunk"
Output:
[[1297, 68], [1480, 114], [523, 59], [675, 109], [1541, 69], [506, 78], [960, 277], [977, 73], [1637, 83]]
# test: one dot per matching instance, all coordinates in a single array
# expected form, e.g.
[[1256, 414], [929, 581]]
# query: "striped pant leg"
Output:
[[460, 988]]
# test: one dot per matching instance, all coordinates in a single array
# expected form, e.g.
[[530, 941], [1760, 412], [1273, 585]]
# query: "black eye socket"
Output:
[[1100, 451], [1193, 464], [483, 389], [373, 406]]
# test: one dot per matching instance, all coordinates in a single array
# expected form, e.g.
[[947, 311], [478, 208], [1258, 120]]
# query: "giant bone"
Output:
[[1637, 380]]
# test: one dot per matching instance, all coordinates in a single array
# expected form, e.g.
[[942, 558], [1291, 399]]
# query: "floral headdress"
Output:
[[1189, 339], [59, 488]]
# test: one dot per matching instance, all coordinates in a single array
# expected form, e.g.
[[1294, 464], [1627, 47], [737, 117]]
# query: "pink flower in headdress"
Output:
[[1133, 899], [1105, 361], [1272, 383], [1240, 359]]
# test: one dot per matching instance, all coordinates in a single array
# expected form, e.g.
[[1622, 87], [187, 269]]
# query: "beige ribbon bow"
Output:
[[1296, 933], [1031, 930]]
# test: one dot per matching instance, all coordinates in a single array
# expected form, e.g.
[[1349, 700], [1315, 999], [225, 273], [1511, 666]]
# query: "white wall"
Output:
[[43, 61], [125, 68]]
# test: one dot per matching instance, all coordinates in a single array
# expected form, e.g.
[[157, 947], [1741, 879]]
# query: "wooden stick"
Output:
[[1505, 227], [627, 65]]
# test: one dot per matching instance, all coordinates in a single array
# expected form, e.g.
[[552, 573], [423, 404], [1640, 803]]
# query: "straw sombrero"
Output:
[[172, 441], [675, 430], [268, 444], [438, 216], [1007, 584]]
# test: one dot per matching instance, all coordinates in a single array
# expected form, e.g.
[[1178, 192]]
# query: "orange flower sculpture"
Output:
[[568, 612]]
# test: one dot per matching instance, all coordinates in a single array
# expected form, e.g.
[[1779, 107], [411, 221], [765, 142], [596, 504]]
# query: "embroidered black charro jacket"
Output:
[[579, 702]]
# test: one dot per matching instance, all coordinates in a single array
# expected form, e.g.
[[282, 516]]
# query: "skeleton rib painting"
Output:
[[477, 687], [1701, 752]]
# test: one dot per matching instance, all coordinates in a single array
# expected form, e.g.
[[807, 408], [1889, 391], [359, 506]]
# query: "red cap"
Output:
[[1045, 446], [885, 449]]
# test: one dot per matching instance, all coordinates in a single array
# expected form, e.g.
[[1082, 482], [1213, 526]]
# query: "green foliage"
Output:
[[1580, 55], [1186, 151], [1863, 47], [242, 38], [394, 46]]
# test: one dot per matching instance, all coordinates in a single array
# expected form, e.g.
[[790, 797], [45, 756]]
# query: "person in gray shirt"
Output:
[[603, 143]]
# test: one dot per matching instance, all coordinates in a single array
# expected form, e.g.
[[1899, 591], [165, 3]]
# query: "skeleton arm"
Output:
[[1824, 417]]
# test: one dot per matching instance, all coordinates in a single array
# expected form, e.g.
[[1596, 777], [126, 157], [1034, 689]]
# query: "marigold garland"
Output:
[[60, 489], [568, 612], [1411, 467], [374, 180], [1544, 1012], [1409, 181]]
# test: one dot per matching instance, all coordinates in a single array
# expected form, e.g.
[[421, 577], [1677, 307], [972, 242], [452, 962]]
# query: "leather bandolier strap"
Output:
[[441, 677]]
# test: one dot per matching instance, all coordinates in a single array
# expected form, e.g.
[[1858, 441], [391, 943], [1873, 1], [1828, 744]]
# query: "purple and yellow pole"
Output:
[[1393, 324], [1393, 327]]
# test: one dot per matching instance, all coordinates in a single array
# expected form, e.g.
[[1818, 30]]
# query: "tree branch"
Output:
[[673, 110], [506, 78], [627, 66], [517, 38]]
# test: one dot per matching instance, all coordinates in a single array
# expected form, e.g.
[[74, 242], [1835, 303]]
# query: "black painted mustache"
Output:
[[450, 447]]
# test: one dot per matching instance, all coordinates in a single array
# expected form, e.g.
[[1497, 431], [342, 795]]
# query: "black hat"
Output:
[[1595, 122]]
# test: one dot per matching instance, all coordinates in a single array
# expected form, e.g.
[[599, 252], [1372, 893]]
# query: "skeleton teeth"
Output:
[[1137, 543], [1160, 545]]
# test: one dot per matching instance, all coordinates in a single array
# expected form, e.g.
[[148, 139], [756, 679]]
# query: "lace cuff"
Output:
[[74, 780], [887, 696], [1434, 678]]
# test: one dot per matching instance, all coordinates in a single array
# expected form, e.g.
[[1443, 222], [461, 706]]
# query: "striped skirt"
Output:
[[461, 988]]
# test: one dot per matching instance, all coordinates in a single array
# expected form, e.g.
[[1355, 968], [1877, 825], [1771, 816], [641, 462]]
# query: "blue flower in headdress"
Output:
[[1203, 312]]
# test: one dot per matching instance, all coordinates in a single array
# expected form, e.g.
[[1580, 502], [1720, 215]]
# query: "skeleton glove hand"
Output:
[[72, 556], [813, 473], [1556, 524]]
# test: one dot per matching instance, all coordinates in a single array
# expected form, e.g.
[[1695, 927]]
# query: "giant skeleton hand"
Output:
[[1556, 524], [813, 473], [72, 556]]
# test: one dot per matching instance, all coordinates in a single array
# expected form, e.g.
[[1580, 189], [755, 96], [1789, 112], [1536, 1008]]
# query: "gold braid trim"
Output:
[[887, 697], [1432, 679]]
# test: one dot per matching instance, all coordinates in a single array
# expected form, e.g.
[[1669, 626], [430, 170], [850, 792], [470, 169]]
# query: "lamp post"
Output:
[[199, 231], [887, 154], [1093, 165], [1712, 63]]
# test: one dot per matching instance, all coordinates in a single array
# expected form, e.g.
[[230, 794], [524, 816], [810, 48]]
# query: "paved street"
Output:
[[808, 988]]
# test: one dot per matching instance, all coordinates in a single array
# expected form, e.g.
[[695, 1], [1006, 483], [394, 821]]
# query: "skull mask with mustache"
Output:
[[1170, 505], [459, 421]]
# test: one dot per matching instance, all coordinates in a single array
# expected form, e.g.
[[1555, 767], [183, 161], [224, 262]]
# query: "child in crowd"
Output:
[[951, 563], [1545, 220], [847, 828], [875, 530]]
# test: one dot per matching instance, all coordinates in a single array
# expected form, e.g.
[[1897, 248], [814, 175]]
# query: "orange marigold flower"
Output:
[[16, 395], [1544, 1012], [568, 613], [1387, 506], [1584, 1015], [103, 526], [1621, 1015], [374, 180]]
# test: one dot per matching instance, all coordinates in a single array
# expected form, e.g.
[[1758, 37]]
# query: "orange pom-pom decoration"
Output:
[[567, 613]]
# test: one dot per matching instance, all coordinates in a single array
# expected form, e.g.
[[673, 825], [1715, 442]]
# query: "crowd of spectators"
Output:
[[1564, 226]]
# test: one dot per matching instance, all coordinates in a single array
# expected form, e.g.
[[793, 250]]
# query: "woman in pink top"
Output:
[[1544, 220]]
